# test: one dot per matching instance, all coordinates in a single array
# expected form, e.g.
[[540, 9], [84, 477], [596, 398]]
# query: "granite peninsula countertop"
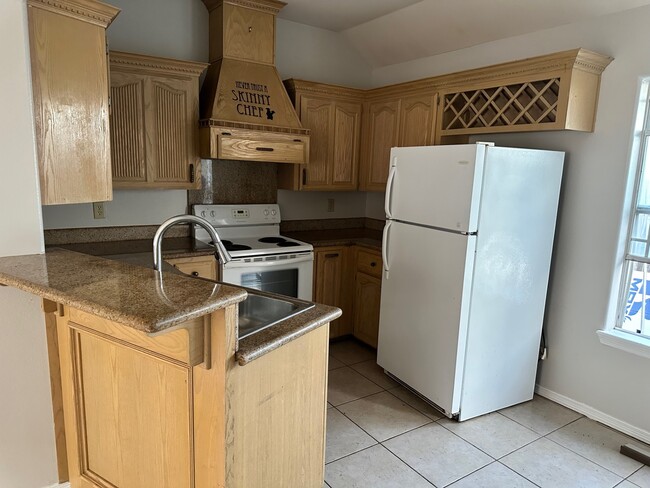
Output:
[[266, 340], [131, 294], [135, 296]]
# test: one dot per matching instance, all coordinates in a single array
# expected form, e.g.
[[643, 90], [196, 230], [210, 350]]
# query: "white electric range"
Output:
[[261, 258]]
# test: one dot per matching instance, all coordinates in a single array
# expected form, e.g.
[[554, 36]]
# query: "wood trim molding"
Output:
[[294, 85], [581, 59], [268, 6], [90, 11], [155, 64]]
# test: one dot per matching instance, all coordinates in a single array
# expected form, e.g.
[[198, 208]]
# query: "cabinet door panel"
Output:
[[417, 121], [70, 89], [127, 128], [144, 441], [168, 132], [382, 136], [316, 115], [367, 298], [328, 279], [345, 163]]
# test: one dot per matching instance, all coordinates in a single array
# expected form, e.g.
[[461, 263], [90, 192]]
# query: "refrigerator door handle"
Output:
[[389, 192], [384, 247]]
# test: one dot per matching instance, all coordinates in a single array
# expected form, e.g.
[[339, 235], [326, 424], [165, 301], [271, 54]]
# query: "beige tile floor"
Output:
[[379, 435]]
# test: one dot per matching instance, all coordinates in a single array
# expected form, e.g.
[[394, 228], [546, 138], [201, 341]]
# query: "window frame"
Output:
[[615, 336]]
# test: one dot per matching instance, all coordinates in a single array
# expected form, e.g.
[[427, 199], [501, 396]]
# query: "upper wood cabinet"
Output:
[[333, 115], [71, 107], [417, 120], [381, 133], [154, 121]]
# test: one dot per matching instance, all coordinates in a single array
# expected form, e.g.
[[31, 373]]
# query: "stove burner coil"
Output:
[[272, 240]]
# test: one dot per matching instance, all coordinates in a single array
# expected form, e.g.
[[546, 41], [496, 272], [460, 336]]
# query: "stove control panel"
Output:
[[227, 215]]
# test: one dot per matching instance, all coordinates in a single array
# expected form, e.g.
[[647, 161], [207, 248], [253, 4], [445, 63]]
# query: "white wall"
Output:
[[27, 456], [314, 54], [129, 207], [297, 205], [587, 256]]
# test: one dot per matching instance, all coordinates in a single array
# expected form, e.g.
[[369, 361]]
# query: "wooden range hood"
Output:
[[246, 113]]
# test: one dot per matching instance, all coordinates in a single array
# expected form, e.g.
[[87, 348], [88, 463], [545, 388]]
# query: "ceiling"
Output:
[[387, 32]]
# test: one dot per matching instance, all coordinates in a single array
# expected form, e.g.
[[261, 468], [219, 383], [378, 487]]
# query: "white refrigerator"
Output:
[[467, 252]]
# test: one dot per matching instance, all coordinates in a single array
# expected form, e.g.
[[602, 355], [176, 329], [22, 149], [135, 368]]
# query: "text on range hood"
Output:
[[246, 113]]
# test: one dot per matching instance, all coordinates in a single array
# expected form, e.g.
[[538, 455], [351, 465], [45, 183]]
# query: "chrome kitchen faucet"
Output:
[[224, 256]]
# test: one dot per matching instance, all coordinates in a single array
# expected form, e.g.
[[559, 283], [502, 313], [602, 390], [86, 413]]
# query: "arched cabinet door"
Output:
[[382, 134], [417, 120]]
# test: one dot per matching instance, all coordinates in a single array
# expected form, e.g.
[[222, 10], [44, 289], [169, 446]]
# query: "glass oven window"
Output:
[[284, 282]]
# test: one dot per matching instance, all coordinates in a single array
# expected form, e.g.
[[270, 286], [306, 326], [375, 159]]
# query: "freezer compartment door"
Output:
[[436, 186], [424, 310]]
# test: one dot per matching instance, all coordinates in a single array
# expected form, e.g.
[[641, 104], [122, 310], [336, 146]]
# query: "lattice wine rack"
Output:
[[528, 103], [554, 92]]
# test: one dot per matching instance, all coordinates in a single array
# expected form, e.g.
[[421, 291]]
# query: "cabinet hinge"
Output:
[[192, 173]]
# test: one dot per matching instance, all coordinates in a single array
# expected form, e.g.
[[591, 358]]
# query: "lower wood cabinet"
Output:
[[200, 266], [349, 277], [367, 296], [331, 267]]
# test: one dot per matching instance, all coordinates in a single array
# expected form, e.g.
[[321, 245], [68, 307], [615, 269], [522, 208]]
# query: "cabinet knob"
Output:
[[373, 264], [195, 273]]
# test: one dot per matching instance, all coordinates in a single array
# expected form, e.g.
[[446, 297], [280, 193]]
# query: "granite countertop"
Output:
[[173, 247], [266, 340], [361, 236], [132, 295], [135, 296]]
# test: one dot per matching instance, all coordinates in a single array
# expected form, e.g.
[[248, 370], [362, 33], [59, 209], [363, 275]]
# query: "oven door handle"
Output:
[[236, 263]]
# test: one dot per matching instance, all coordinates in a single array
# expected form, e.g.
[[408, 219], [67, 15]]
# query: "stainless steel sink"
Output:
[[260, 311]]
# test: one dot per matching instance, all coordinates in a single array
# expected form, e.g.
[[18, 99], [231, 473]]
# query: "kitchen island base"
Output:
[[174, 409]]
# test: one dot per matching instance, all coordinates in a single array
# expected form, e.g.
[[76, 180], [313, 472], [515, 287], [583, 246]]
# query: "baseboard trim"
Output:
[[60, 485], [597, 415]]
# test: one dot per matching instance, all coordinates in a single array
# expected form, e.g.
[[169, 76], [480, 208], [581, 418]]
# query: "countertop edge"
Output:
[[115, 315], [248, 354]]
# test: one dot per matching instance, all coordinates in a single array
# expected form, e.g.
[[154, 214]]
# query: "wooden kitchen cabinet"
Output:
[[367, 295], [381, 133], [71, 106], [417, 120], [198, 266], [329, 271], [333, 115], [333, 278], [154, 128]]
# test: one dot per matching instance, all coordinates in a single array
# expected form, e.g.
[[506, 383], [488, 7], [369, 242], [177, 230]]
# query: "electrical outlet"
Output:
[[98, 210], [330, 204]]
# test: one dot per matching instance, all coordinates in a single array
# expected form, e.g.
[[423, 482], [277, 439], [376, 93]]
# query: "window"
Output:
[[634, 305]]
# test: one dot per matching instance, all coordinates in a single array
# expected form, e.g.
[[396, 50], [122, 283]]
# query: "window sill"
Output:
[[625, 341]]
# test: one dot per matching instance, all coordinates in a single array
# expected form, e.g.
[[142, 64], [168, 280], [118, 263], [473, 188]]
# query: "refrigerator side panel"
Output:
[[436, 186], [513, 256], [423, 319]]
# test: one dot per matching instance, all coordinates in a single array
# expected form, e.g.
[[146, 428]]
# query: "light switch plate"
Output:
[[330, 204]]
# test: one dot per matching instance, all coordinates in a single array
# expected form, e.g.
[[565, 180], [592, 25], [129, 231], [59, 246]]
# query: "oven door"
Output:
[[289, 275]]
